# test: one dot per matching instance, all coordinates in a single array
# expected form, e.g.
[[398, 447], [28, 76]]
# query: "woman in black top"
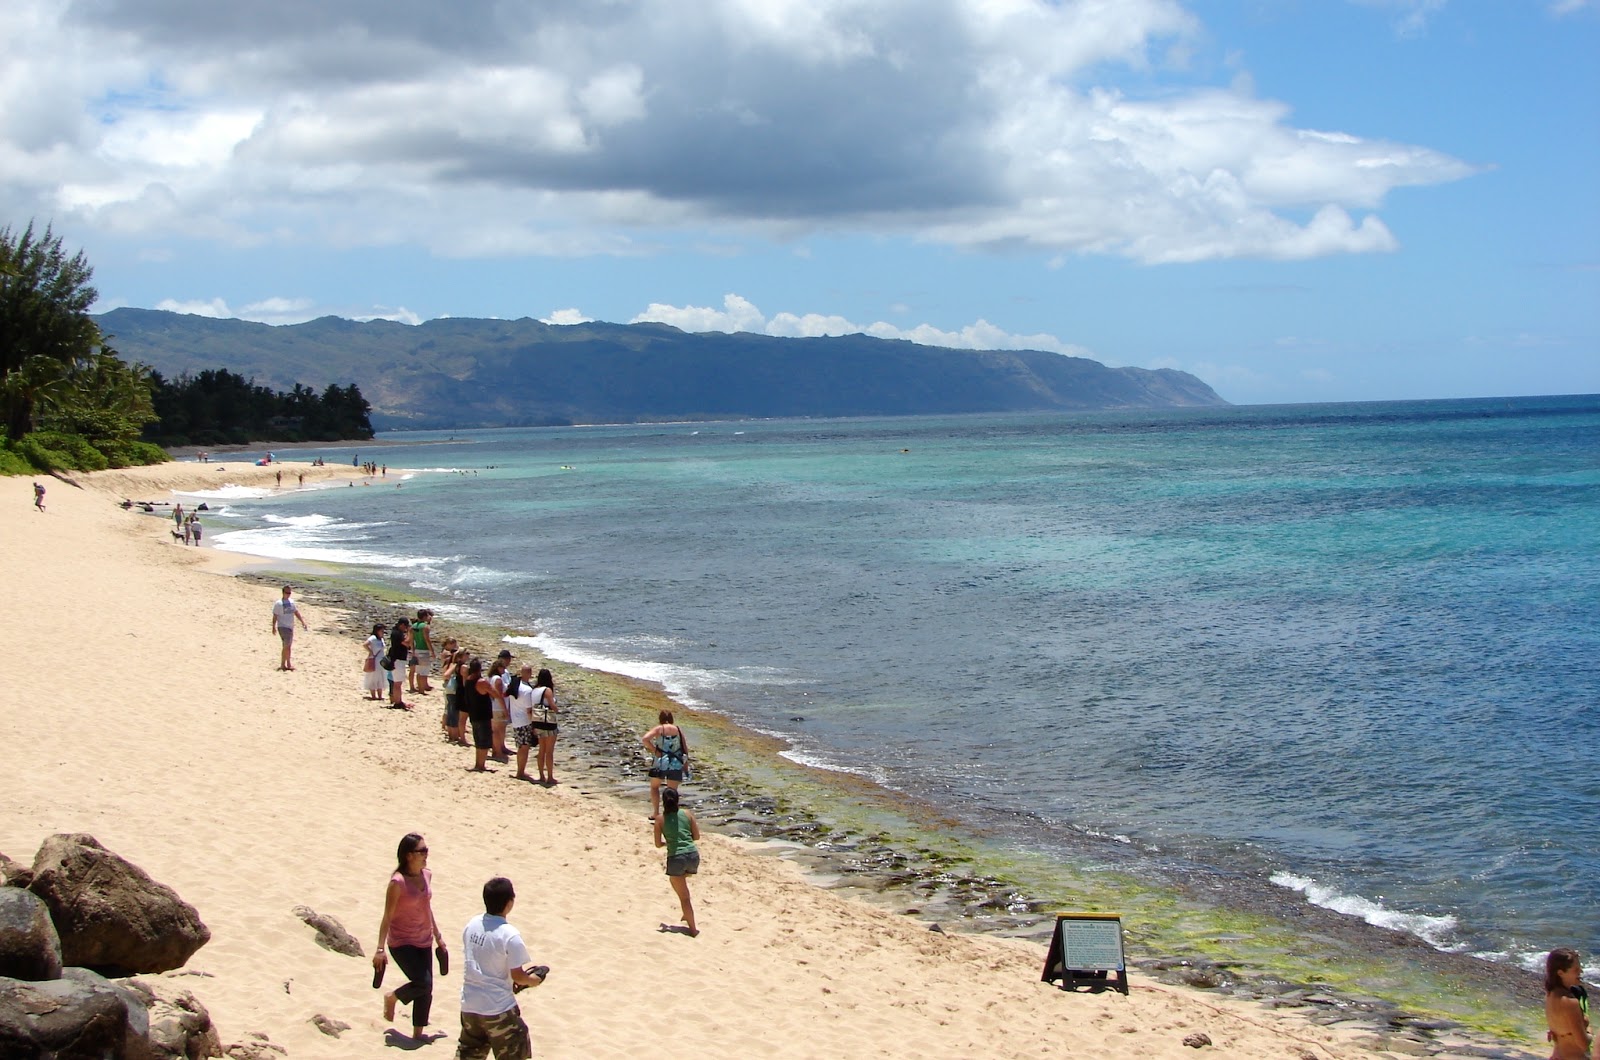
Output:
[[475, 701], [399, 652]]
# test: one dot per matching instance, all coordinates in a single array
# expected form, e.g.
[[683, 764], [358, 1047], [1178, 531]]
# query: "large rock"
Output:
[[112, 917], [180, 1026], [136, 1028], [29, 946], [66, 1019]]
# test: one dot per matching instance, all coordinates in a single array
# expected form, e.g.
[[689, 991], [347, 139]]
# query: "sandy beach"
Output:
[[251, 791]]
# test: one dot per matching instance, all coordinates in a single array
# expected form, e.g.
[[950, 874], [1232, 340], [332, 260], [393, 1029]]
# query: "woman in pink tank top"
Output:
[[409, 932]]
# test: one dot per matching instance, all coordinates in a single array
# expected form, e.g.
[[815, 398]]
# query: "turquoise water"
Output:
[[1350, 649]]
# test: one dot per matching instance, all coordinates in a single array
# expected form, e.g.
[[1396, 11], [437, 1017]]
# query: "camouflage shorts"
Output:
[[506, 1034]]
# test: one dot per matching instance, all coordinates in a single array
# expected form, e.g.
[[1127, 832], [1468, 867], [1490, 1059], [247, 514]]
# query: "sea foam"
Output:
[[1436, 931]]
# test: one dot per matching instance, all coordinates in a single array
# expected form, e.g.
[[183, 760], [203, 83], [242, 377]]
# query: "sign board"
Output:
[[1084, 949]]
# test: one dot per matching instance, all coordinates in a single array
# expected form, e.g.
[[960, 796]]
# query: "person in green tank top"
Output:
[[421, 664], [677, 830]]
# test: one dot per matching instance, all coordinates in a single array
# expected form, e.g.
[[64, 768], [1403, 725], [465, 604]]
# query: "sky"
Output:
[[1296, 200]]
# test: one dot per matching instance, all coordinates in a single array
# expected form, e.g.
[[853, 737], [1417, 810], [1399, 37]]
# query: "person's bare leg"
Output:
[[547, 758], [522, 762], [482, 754], [498, 728], [655, 797], [680, 884]]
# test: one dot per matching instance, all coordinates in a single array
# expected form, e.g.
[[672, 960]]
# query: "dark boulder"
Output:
[[29, 946], [111, 916], [66, 1019]]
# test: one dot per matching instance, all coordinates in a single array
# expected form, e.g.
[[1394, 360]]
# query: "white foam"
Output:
[[1436, 931], [676, 680], [318, 537]]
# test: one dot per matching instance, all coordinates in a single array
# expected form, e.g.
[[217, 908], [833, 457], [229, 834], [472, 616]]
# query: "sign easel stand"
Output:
[[1085, 948]]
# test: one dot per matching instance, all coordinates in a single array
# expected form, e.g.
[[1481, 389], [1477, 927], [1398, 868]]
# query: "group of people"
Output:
[[494, 957], [489, 703], [186, 526], [494, 966]]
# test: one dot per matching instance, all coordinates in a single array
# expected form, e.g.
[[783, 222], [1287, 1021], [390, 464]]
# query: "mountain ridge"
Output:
[[458, 372]]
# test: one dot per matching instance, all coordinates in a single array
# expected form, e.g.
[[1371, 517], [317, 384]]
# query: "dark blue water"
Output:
[[1353, 648]]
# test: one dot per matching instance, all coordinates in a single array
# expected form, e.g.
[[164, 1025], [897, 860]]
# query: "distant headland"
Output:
[[459, 372]]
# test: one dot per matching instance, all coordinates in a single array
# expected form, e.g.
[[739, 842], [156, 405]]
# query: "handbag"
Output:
[[368, 665]]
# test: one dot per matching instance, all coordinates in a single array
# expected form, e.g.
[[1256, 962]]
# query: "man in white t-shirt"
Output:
[[493, 971], [284, 614]]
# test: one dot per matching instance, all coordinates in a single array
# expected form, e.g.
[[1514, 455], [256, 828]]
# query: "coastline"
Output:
[[252, 791]]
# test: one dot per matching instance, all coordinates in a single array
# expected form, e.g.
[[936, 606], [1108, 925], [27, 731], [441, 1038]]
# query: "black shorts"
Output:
[[482, 734], [667, 774]]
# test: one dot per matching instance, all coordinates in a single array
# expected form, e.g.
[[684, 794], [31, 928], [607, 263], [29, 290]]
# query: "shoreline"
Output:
[[967, 891], [306, 766]]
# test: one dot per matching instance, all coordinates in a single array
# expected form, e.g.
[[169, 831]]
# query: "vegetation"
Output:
[[218, 407], [67, 401]]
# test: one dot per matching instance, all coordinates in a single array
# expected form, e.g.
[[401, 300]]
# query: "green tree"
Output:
[[45, 329]]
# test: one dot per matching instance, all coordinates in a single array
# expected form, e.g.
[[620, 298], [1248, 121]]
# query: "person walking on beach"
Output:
[[544, 724], [195, 530], [38, 496], [678, 831], [493, 955], [399, 653], [1566, 1006], [374, 678], [284, 615], [410, 932], [667, 750]]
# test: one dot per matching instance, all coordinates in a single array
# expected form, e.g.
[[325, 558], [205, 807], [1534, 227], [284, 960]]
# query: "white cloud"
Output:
[[739, 314], [573, 129], [215, 308], [278, 310], [566, 316]]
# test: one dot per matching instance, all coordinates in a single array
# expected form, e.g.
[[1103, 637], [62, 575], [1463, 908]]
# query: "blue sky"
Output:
[[1320, 200]]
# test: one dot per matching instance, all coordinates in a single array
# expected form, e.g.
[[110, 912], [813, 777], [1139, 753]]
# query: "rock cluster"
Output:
[[79, 914]]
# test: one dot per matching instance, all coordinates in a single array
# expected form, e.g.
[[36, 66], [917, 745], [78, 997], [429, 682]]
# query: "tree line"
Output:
[[219, 407], [68, 401]]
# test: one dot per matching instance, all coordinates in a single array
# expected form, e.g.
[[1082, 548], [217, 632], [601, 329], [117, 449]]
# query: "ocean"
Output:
[[1349, 650]]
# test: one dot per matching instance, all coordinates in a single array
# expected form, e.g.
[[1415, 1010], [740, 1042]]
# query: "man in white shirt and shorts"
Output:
[[493, 973], [284, 614]]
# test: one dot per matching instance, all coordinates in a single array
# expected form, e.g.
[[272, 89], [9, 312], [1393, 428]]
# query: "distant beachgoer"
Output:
[[280, 478], [302, 475], [667, 749], [421, 653], [1566, 1006], [38, 496], [196, 530], [410, 932], [502, 713], [374, 678], [519, 706], [493, 955], [188, 530], [677, 830], [478, 706], [284, 615], [177, 516], [399, 652], [455, 662], [544, 725]]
